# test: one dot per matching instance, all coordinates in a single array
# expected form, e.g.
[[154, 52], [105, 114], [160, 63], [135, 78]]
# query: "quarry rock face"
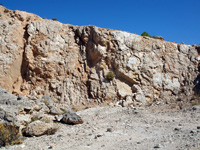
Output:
[[40, 57]]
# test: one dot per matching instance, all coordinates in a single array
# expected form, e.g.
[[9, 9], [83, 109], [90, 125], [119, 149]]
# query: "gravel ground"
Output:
[[116, 128]]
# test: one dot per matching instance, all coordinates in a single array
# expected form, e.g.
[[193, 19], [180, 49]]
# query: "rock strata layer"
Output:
[[40, 57]]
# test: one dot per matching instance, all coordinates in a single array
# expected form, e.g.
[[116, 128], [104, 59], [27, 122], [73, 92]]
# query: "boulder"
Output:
[[38, 128], [71, 118], [123, 89]]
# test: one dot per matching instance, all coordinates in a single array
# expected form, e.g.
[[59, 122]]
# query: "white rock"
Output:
[[123, 89]]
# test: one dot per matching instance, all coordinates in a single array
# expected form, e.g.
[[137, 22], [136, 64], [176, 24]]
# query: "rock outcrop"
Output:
[[70, 63]]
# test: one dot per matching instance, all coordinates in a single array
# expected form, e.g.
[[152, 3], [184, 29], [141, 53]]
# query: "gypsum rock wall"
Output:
[[70, 63]]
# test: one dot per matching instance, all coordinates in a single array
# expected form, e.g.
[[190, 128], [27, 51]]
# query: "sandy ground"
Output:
[[108, 128]]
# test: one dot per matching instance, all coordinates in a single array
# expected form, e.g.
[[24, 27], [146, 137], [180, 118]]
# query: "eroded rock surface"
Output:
[[70, 63]]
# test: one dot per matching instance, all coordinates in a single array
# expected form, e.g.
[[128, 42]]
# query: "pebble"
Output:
[[194, 108], [157, 146], [98, 135], [176, 129], [192, 131], [136, 111], [109, 130]]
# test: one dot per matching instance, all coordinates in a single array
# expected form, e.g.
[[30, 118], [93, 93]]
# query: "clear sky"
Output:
[[175, 20]]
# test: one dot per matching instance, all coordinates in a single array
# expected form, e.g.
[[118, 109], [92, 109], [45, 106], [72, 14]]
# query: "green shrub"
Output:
[[154, 37], [9, 135], [145, 34], [194, 102], [148, 35], [110, 75], [34, 118]]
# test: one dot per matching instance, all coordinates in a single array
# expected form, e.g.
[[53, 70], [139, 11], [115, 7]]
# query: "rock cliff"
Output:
[[70, 64]]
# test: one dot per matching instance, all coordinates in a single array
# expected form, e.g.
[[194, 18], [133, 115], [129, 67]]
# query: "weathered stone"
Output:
[[2, 113], [55, 111], [160, 38], [68, 63], [48, 99], [38, 128], [58, 117], [183, 48], [71, 118], [24, 119], [10, 117], [128, 101], [123, 89]]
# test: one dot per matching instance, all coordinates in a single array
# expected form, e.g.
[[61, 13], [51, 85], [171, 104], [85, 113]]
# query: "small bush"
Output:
[[154, 37], [51, 131], [110, 75], [194, 102], [9, 135], [34, 118], [54, 19], [145, 34]]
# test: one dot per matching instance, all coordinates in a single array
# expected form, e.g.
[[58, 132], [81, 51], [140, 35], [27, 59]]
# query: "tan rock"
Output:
[[38, 128], [123, 89]]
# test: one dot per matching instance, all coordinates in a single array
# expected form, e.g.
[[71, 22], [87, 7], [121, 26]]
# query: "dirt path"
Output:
[[117, 128]]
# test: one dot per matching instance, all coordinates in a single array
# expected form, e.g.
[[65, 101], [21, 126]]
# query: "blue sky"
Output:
[[175, 20]]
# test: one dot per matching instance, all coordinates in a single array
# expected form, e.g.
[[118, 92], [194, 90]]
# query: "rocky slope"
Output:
[[70, 64]]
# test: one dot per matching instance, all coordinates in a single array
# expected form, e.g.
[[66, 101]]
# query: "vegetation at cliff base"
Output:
[[9, 135]]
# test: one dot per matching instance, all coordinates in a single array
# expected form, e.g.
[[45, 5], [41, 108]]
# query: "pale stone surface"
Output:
[[123, 89], [69, 63], [38, 128]]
